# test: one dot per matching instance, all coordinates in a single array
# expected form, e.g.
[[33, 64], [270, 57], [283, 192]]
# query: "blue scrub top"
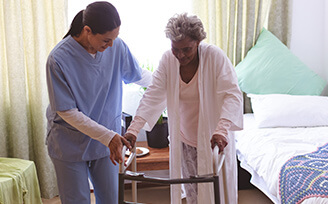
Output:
[[92, 85]]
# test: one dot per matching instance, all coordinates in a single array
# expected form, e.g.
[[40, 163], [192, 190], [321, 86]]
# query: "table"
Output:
[[18, 182], [157, 159]]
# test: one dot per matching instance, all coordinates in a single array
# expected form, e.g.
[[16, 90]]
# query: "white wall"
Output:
[[326, 39], [309, 34]]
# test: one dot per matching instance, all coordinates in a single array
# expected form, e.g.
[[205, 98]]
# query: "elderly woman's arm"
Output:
[[220, 134], [134, 129]]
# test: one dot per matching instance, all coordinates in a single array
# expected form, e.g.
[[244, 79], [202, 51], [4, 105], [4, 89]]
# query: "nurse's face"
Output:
[[185, 50], [100, 42]]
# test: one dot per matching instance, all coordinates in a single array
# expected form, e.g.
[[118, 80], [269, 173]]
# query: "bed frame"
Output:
[[243, 176]]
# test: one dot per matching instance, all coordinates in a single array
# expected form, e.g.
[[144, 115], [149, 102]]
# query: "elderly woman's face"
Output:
[[185, 50]]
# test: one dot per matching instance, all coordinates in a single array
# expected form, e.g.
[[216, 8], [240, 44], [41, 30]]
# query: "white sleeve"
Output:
[[146, 77], [223, 126], [87, 126], [136, 125]]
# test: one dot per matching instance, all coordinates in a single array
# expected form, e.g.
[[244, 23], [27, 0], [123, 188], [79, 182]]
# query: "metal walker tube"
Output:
[[134, 176]]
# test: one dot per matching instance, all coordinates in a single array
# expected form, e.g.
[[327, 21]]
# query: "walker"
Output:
[[135, 176]]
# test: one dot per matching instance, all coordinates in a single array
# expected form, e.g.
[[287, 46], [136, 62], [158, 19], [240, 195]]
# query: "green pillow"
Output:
[[271, 68]]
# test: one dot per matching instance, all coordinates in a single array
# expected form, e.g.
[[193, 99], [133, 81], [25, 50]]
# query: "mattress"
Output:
[[263, 151]]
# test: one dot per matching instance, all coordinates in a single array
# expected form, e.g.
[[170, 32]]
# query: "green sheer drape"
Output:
[[234, 25], [29, 29]]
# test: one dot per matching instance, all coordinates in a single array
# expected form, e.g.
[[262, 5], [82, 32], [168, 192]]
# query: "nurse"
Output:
[[85, 71], [198, 84]]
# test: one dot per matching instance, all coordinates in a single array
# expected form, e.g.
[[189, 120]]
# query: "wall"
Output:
[[326, 39], [309, 34]]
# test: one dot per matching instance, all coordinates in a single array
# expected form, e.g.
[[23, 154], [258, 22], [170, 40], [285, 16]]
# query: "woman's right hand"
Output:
[[219, 140], [131, 138]]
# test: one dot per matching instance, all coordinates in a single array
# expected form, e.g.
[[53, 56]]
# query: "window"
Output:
[[143, 24]]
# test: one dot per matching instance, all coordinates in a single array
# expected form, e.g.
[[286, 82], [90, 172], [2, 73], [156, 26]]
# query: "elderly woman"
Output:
[[198, 85]]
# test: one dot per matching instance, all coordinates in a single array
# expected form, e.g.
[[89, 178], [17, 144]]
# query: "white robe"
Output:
[[220, 97]]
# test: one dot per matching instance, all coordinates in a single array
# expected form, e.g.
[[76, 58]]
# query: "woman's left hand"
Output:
[[115, 147], [219, 140]]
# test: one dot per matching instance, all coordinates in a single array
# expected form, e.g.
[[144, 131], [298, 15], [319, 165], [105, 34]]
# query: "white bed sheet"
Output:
[[263, 151]]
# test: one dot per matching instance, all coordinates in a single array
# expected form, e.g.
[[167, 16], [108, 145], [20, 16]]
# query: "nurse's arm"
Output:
[[87, 126]]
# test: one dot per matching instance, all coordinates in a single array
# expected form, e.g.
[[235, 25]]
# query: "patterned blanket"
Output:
[[304, 176]]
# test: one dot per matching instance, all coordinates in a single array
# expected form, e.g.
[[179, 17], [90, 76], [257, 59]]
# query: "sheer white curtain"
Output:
[[234, 25], [28, 31]]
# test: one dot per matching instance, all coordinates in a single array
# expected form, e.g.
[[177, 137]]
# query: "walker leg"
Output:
[[121, 188], [134, 183], [216, 190]]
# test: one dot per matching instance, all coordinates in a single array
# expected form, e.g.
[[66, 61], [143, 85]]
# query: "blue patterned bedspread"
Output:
[[304, 176]]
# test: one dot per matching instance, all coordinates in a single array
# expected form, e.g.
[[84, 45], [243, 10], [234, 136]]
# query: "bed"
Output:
[[285, 124], [263, 152]]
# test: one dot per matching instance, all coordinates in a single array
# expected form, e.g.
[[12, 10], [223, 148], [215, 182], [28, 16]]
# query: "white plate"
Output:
[[142, 151]]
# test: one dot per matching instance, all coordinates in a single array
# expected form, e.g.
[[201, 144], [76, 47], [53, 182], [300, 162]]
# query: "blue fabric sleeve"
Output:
[[131, 71], [60, 95]]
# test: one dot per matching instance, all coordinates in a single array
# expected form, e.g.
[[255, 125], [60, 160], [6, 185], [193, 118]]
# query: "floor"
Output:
[[160, 195]]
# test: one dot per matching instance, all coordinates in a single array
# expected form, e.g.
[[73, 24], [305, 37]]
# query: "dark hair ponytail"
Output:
[[100, 16], [76, 25]]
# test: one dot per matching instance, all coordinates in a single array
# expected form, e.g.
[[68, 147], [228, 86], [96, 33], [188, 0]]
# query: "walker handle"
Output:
[[124, 165], [217, 160]]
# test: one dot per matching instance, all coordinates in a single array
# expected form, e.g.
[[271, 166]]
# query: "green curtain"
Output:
[[234, 25], [29, 29]]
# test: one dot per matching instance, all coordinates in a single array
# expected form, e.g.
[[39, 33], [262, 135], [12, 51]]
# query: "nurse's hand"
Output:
[[131, 138], [115, 147], [219, 140]]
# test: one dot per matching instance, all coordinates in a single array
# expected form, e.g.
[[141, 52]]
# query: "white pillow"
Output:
[[282, 110]]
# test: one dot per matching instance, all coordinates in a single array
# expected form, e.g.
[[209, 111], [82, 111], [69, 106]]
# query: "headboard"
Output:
[[247, 104]]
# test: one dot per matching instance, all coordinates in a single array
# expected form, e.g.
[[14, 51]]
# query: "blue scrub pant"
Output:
[[73, 184]]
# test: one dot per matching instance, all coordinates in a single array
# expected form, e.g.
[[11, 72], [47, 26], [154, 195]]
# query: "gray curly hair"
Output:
[[181, 25]]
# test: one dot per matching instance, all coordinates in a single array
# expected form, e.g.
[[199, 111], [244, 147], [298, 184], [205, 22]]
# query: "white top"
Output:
[[189, 110]]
